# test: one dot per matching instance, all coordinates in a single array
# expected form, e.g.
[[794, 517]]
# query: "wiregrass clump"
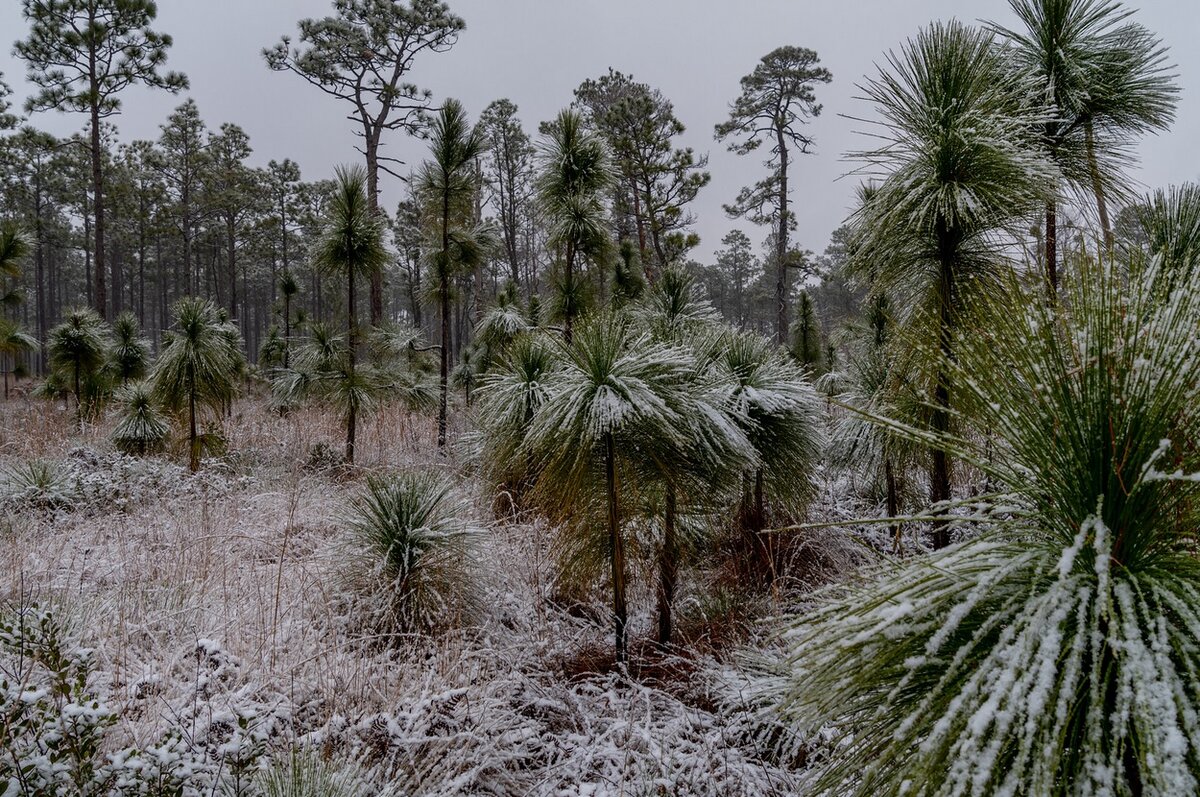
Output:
[[1056, 654]]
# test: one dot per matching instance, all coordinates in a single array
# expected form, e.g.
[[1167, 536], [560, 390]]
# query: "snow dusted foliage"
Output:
[[956, 164], [507, 401], [1056, 654], [776, 407], [413, 555]]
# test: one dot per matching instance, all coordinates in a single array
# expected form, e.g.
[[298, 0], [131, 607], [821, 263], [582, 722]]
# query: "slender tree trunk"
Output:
[[616, 551], [287, 330], [939, 476], [1052, 250], [352, 352], [1098, 186], [444, 300], [231, 255], [668, 570], [372, 149], [761, 542], [893, 498], [39, 278], [641, 230], [781, 245], [193, 438], [570, 283], [100, 295]]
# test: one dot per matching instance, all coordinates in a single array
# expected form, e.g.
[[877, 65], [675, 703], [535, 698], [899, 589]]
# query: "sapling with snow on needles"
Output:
[[1056, 653]]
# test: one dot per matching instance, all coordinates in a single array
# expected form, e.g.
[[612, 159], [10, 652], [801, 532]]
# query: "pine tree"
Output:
[[82, 54]]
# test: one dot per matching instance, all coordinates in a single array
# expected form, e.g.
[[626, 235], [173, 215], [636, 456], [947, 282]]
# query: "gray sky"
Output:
[[535, 52]]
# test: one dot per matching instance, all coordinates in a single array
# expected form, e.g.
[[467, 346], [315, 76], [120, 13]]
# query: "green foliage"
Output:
[[272, 351], [78, 349], [304, 774], [806, 335], [69, 35], [958, 163], [576, 170], [674, 307], [415, 555], [37, 485], [1171, 221], [198, 367], [54, 726], [351, 242], [628, 280], [508, 399], [776, 408], [129, 357], [1101, 77], [362, 54], [640, 126], [616, 405], [15, 245], [140, 428], [1056, 654]]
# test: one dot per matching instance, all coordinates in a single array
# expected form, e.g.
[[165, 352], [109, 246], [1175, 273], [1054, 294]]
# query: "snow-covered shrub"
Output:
[[1057, 653], [413, 555], [51, 724], [55, 727]]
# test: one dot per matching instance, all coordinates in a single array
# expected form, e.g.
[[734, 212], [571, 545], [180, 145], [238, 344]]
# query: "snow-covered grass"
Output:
[[223, 627]]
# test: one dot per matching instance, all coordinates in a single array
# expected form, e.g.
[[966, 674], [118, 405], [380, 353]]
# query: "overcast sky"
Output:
[[535, 52]]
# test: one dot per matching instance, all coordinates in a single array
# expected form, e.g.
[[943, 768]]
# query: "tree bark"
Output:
[[444, 300], [668, 570], [352, 353], [1052, 250], [1098, 186], [99, 295], [193, 438], [939, 476], [781, 244], [372, 149], [616, 552], [893, 498]]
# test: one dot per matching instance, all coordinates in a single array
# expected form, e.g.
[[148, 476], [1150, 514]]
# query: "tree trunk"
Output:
[[444, 300], [1098, 186], [352, 353], [569, 281], [39, 278], [668, 570], [287, 330], [781, 245], [616, 551], [99, 296], [193, 438], [1052, 250], [372, 149], [893, 499], [939, 476]]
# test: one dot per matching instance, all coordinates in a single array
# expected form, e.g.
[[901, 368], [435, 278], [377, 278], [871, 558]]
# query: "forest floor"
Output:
[[219, 606]]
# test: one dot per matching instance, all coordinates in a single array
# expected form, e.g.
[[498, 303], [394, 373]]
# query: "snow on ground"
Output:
[[217, 607]]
